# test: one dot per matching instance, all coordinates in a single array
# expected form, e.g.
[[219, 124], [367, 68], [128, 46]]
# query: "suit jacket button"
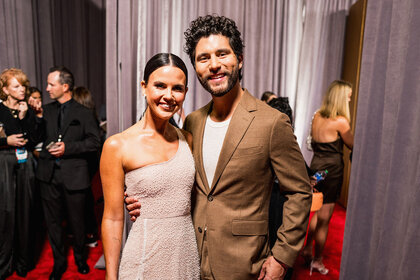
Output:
[[200, 230], [210, 198]]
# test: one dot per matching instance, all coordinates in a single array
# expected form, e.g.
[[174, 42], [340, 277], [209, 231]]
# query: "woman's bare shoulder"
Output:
[[113, 145], [118, 140], [342, 122]]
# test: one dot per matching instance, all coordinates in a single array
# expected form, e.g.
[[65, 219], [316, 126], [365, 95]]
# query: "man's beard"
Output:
[[232, 79]]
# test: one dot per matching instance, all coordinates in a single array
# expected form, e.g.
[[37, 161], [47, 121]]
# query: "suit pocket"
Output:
[[75, 122], [248, 151], [242, 227]]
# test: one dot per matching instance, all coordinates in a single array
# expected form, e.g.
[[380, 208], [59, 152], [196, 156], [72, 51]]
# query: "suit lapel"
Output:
[[241, 120], [198, 145]]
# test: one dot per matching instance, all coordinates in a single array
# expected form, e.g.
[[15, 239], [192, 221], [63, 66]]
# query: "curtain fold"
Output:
[[320, 60], [286, 48], [381, 239], [38, 34]]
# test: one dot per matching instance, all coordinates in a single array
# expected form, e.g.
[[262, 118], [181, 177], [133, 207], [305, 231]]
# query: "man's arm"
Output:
[[289, 166]]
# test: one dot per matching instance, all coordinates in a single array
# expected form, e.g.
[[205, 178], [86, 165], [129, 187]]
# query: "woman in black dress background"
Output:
[[330, 130], [20, 131]]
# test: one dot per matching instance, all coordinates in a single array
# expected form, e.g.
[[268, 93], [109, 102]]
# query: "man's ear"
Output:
[[241, 61], [66, 87]]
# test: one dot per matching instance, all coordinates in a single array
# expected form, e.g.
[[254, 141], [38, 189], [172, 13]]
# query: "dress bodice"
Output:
[[164, 189]]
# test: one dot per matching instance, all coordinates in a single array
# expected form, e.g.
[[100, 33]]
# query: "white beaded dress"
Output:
[[162, 242]]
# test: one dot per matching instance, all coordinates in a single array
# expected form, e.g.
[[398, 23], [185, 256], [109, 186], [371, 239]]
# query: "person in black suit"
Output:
[[71, 134]]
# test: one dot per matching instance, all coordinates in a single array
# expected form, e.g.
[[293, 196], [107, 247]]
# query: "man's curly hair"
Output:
[[212, 25]]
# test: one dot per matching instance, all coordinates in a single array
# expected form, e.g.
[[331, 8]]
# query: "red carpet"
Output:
[[45, 265], [332, 257], [45, 262], [332, 250]]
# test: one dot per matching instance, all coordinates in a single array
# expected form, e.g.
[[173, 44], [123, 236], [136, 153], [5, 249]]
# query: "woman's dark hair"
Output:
[[83, 96], [266, 95], [164, 59], [213, 25], [33, 89], [282, 104]]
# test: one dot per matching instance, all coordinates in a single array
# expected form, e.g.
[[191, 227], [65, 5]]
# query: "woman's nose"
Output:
[[168, 93]]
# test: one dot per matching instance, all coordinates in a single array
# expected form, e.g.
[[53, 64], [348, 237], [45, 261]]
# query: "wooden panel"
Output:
[[352, 59]]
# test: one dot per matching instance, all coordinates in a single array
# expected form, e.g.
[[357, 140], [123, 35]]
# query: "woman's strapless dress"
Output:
[[162, 242], [329, 156]]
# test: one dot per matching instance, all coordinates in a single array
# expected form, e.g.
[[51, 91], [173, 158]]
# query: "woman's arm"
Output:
[[345, 132], [112, 177]]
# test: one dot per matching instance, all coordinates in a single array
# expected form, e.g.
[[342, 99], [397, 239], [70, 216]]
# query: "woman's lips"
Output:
[[167, 106]]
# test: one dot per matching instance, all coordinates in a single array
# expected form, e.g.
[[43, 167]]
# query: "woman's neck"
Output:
[[160, 126], [11, 103]]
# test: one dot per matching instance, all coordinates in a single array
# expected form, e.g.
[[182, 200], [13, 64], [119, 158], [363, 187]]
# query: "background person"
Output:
[[267, 96], [35, 94], [20, 131], [71, 134], [83, 96], [330, 129]]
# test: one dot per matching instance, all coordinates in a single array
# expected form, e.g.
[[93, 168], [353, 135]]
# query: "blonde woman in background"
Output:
[[330, 130]]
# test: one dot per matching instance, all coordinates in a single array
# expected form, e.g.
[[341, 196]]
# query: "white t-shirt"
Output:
[[214, 135]]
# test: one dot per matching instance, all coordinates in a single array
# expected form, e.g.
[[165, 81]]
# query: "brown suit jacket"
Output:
[[233, 213]]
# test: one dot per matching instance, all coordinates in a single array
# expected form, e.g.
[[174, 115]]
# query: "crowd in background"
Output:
[[48, 157], [31, 141]]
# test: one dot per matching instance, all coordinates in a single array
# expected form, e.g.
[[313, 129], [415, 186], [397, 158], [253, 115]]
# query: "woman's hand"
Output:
[[16, 140], [36, 105], [23, 109]]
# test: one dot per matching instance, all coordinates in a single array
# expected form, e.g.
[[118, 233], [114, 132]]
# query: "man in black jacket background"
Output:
[[71, 133]]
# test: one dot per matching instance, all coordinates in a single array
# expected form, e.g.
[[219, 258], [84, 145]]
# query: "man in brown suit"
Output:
[[240, 144]]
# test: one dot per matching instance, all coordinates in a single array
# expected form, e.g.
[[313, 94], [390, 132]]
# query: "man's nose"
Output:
[[214, 63]]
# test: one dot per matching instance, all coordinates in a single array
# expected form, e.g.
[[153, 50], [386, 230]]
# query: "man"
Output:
[[71, 134], [240, 143]]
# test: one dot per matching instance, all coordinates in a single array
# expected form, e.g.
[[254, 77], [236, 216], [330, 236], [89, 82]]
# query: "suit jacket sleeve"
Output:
[[288, 164], [90, 142]]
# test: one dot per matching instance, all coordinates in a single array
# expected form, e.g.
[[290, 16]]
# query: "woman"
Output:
[[20, 133], [35, 94], [330, 129], [83, 96], [153, 160]]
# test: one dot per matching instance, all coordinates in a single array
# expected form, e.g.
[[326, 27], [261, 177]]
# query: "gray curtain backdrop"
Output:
[[320, 61], [38, 34], [292, 47], [382, 232]]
